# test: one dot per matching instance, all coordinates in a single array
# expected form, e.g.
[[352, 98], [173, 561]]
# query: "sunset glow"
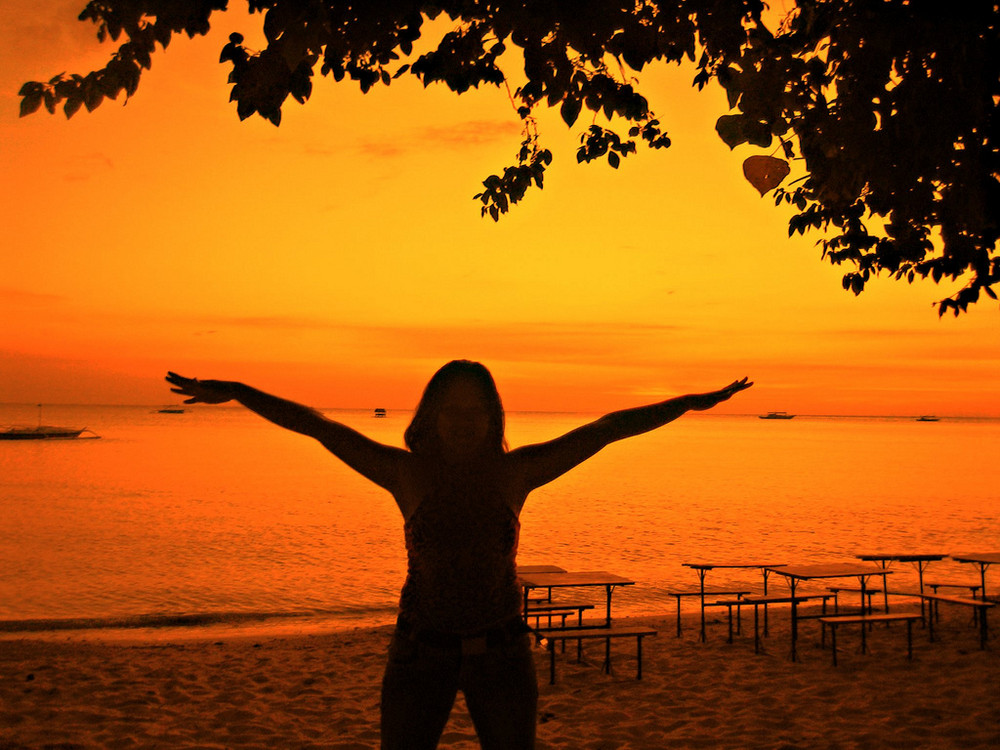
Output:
[[340, 259]]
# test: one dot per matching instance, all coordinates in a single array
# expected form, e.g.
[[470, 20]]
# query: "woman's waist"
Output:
[[458, 609], [494, 636]]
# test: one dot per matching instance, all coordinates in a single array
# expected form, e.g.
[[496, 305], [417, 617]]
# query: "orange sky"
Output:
[[340, 259]]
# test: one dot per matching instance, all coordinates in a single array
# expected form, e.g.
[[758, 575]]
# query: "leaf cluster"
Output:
[[888, 109], [500, 192], [144, 23]]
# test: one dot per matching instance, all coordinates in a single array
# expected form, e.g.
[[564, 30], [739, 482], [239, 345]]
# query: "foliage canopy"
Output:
[[888, 107]]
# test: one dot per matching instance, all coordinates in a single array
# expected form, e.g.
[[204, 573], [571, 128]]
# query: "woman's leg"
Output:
[[418, 691], [501, 691]]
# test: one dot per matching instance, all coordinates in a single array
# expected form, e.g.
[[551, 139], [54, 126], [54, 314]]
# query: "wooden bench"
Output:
[[539, 610], [980, 606], [680, 594], [758, 601], [835, 621], [972, 587], [869, 592], [582, 634]]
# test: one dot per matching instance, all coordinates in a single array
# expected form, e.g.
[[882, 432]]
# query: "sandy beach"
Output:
[[321, 690]]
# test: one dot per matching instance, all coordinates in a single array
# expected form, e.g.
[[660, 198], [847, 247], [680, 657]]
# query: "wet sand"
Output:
[[322, 691]]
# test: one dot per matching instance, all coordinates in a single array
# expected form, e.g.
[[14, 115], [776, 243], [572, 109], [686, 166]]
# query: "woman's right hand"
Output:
[[201, 391]]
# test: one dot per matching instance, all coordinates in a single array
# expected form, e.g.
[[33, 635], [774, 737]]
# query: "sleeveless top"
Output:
[[461, 545]]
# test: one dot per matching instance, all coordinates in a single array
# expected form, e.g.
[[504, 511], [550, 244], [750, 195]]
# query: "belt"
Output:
[[469, 644]]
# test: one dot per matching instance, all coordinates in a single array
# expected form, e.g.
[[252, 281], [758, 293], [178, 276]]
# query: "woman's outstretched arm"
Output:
[[379, 463], [543, 462]]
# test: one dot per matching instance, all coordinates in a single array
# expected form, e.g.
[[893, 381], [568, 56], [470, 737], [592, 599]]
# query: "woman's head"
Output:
[[460, 413]]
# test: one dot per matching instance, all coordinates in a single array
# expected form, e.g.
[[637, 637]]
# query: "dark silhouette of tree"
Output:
[[887, 108]]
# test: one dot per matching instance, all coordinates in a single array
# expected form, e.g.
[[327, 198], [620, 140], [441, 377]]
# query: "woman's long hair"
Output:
[[421, 436]]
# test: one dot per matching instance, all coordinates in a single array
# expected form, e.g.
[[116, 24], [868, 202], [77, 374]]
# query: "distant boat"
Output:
[[380, 412], [777, 415], [45, 432], [170, 410], [928, 418]]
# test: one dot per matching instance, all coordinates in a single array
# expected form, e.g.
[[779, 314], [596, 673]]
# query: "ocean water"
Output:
[[216, 519]]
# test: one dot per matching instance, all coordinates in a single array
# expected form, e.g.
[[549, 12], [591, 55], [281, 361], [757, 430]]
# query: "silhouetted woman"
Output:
[[460, 492]]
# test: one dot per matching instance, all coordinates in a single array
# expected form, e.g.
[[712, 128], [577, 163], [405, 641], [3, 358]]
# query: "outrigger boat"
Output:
[[45, 432]]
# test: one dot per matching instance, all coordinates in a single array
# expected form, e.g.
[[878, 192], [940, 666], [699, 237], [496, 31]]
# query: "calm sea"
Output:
[[215, 519]]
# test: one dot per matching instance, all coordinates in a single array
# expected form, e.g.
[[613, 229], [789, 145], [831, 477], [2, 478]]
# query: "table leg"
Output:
[[920, 577], [795, 617], [766, 574], [885, 590], [701, 579], [607, 614]]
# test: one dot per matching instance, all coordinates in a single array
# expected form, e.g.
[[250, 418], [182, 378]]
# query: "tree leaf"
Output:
[[570, 110], [732, 130], [765, 172], [30, 103]]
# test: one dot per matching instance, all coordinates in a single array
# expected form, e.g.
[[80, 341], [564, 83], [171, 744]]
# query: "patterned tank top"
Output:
[[461, 545]]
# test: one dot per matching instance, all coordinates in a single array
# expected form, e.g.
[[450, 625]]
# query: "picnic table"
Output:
[[794, 574], [921, 559], [983, 560], [604, 631], [570, 579], [703, 567]]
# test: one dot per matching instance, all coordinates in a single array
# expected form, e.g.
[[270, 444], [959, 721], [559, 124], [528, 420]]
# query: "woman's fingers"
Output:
[[185, 387]]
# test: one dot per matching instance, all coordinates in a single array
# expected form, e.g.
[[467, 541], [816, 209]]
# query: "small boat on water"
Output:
[[928, 418], [46, 432], [380, 412], [777, 415]]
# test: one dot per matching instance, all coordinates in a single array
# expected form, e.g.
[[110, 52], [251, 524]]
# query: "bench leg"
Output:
[[638, 657], [909, 640], [607, 656], [552, 662], [833, 641], [678, 617], [756, 631]]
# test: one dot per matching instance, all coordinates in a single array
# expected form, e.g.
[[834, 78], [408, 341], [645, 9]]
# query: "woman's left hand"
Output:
[[702, 401]]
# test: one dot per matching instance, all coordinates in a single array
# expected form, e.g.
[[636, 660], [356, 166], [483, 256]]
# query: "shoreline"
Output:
[[321, 690]]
